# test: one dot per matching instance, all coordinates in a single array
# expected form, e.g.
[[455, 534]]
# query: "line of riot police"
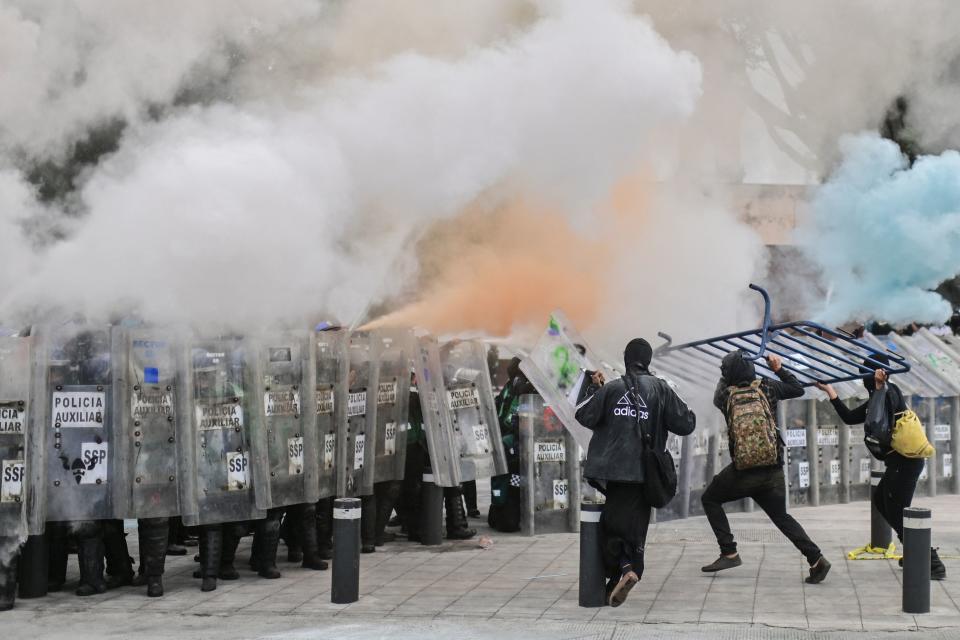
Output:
[[227, 435]]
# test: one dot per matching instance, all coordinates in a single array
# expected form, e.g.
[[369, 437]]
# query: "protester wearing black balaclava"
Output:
[[763, 483], [899, 482], [618, 413]]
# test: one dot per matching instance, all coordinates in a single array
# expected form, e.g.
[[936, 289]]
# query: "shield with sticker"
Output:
[[459, 416], [219, 474], [356, 435], [148, 385], [330, 396], [21, 453], [287, 436], [394, 353], [78, 422]]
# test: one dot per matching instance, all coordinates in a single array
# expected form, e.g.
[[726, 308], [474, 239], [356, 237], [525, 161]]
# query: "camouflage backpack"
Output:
[[751, 427]]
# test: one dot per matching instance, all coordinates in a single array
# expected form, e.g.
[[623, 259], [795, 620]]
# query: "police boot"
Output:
[[457, 528], [268, 534], [140, 579], [255, 550], [470, 497], [290, 533], [174, 548], [387, 494], [8, 576], [119, 562], [232, 533], [308, 535], [937, 570], [90, 557], [324, 523], [153, 553], [368, 524], [55, 538], [211, 549]]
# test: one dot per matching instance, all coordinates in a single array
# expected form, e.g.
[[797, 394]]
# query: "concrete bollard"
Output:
[[880, 532], [431, 512], [916, 560], [593, 584], [345, 586]]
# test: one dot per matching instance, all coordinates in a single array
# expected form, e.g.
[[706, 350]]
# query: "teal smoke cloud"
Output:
[[885, 233]]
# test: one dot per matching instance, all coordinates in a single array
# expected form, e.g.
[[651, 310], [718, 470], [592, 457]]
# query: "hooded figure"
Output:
[[619, 414], [737, 371]]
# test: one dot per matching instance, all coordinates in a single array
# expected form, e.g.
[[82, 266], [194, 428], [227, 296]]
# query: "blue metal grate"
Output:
[[810, 351]]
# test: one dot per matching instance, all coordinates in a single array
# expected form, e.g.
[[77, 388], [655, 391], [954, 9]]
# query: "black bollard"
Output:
[[880, 532], [34, 568], [593, 588], [916, 560], [431, 512], [345, 586]]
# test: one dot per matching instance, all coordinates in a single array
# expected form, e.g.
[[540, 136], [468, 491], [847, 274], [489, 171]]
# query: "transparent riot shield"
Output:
[[549, 471], [218, 475], [284, 380], [463, 433], [358, 424], [78, 423], [21, 462], [394, 350], [557, 366], [147, 386], [329, 352]]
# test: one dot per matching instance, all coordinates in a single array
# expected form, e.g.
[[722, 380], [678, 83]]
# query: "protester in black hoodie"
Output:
[[618, 412], [895, 491], [765, 484]]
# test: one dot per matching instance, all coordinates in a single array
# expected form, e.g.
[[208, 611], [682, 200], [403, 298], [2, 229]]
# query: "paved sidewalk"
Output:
[[527, 587]]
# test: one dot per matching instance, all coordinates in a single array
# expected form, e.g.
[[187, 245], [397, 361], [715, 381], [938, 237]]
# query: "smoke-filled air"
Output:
[[467, 167]]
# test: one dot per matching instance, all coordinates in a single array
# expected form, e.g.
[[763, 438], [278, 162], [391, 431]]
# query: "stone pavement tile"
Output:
[[517, 614], [881, 622], [726, 616], [319, 605], [788, 620], [563, 613], [671, 617], [835, 622], [779, 605], [625, 612], [937, 621], [415, 611]]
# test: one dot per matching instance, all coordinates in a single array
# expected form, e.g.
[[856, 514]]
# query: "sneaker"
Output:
[[622, 589], [721, 563], [818, 571]]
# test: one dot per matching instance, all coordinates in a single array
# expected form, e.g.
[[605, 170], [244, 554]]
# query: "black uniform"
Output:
[[614, 455], [765, 485]]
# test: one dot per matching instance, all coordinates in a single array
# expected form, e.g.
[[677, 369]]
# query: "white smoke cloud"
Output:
[[251, 211]]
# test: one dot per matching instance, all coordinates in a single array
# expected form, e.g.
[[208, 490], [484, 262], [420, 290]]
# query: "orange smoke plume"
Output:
[[497, 272]]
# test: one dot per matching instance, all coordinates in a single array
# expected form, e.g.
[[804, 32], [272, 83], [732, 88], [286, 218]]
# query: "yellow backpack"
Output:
[[909, 437]]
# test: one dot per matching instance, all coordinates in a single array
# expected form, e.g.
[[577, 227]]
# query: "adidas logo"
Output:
[[625, 400], [626, 408]]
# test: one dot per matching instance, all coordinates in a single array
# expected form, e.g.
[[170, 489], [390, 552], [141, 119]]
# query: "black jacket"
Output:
[[616, 421], [739, 374]]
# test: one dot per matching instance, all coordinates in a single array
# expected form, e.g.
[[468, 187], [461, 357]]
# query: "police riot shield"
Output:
[[148, 421], [329, 353], [218, 479], [394, 350], [78, 422], [549, 470], [557, 366], [358, 424], [459, 417], [284, 381], [21, 456]]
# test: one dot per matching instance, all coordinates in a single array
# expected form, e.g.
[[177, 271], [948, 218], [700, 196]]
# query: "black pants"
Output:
[[895, 491], [624, 524], [767, 488]]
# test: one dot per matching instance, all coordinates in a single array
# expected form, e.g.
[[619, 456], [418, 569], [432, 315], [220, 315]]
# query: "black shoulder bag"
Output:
[[659, 472]]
